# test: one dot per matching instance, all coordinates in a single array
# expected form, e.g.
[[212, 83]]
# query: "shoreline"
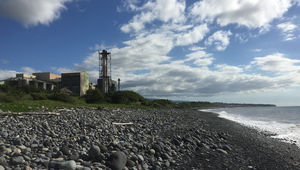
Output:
[[258, 147], [85, 138], [268, 133]]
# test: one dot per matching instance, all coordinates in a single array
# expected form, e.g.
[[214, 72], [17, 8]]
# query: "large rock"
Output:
[[3, 161], [17, 160], [69, 165], [94, 153], [118, 160]]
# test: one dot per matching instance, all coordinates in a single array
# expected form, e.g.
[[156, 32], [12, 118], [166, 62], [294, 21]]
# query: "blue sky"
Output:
[[244, 51]]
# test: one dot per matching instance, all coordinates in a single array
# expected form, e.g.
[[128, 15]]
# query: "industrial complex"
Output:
[[77, 82]]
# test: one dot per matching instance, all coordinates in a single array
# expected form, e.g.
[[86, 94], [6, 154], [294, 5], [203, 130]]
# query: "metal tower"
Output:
[[104, 71]]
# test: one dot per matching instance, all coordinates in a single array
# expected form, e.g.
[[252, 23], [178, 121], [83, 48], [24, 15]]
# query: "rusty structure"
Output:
[[105, 83], [119, 84]]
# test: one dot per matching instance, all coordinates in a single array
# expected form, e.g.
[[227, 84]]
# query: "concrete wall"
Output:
[[77, 82], [25, 76], [46, 76]]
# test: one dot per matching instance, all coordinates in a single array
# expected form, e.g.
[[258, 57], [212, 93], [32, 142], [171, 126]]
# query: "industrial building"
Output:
[[46, 76], [105, 82], [48, 81], [77, 82]]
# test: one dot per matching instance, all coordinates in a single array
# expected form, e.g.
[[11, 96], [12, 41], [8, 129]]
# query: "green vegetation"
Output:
[[28, 98], [127, 97], [94, 96], [31, 99], [163, 103]]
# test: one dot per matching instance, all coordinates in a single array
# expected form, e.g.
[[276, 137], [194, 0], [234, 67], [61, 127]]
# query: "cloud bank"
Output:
[[32, 12], [248, 13]]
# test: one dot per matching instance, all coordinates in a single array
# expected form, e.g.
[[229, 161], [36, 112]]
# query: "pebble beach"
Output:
[[136, 139]]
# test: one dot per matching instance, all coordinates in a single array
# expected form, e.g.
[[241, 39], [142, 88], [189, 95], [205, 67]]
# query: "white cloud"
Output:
[[200, 58], [196, 48], [62, 70], [32, 12], [5, 74], [249, 13], [219, 39], [276, 63], [167, 78], [288, 29], [193, 36], [257, 50], [162, 10], [229, 69], [28, 70], [179, 80]]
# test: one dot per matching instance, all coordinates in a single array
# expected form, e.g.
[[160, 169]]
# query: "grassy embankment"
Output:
[[32, 99]]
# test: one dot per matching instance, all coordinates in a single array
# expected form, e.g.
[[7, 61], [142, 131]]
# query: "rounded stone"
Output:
[[94, 153], [141, 158], [45, 149], [69, 165], [152, 151], [167, 164], [17, 160], [130, 163], [7, 150], [118, 160], [17, 150]]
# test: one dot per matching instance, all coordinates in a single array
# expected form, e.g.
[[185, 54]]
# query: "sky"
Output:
[[241, 51]]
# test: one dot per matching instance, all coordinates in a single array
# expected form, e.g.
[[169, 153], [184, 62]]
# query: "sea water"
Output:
[[283, 122]]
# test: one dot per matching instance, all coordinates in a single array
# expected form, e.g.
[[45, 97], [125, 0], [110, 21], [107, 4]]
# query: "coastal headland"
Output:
[[111, 138]]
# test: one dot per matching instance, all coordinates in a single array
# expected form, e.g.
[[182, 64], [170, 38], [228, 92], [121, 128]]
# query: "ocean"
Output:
[[281, 122]]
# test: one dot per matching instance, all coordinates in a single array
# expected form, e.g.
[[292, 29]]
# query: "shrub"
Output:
[[162, 103], [127, 97], [30, 89], [108, 97], [61, 97], [65, 91], [39, 96], [8, 99], [94, 96]]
